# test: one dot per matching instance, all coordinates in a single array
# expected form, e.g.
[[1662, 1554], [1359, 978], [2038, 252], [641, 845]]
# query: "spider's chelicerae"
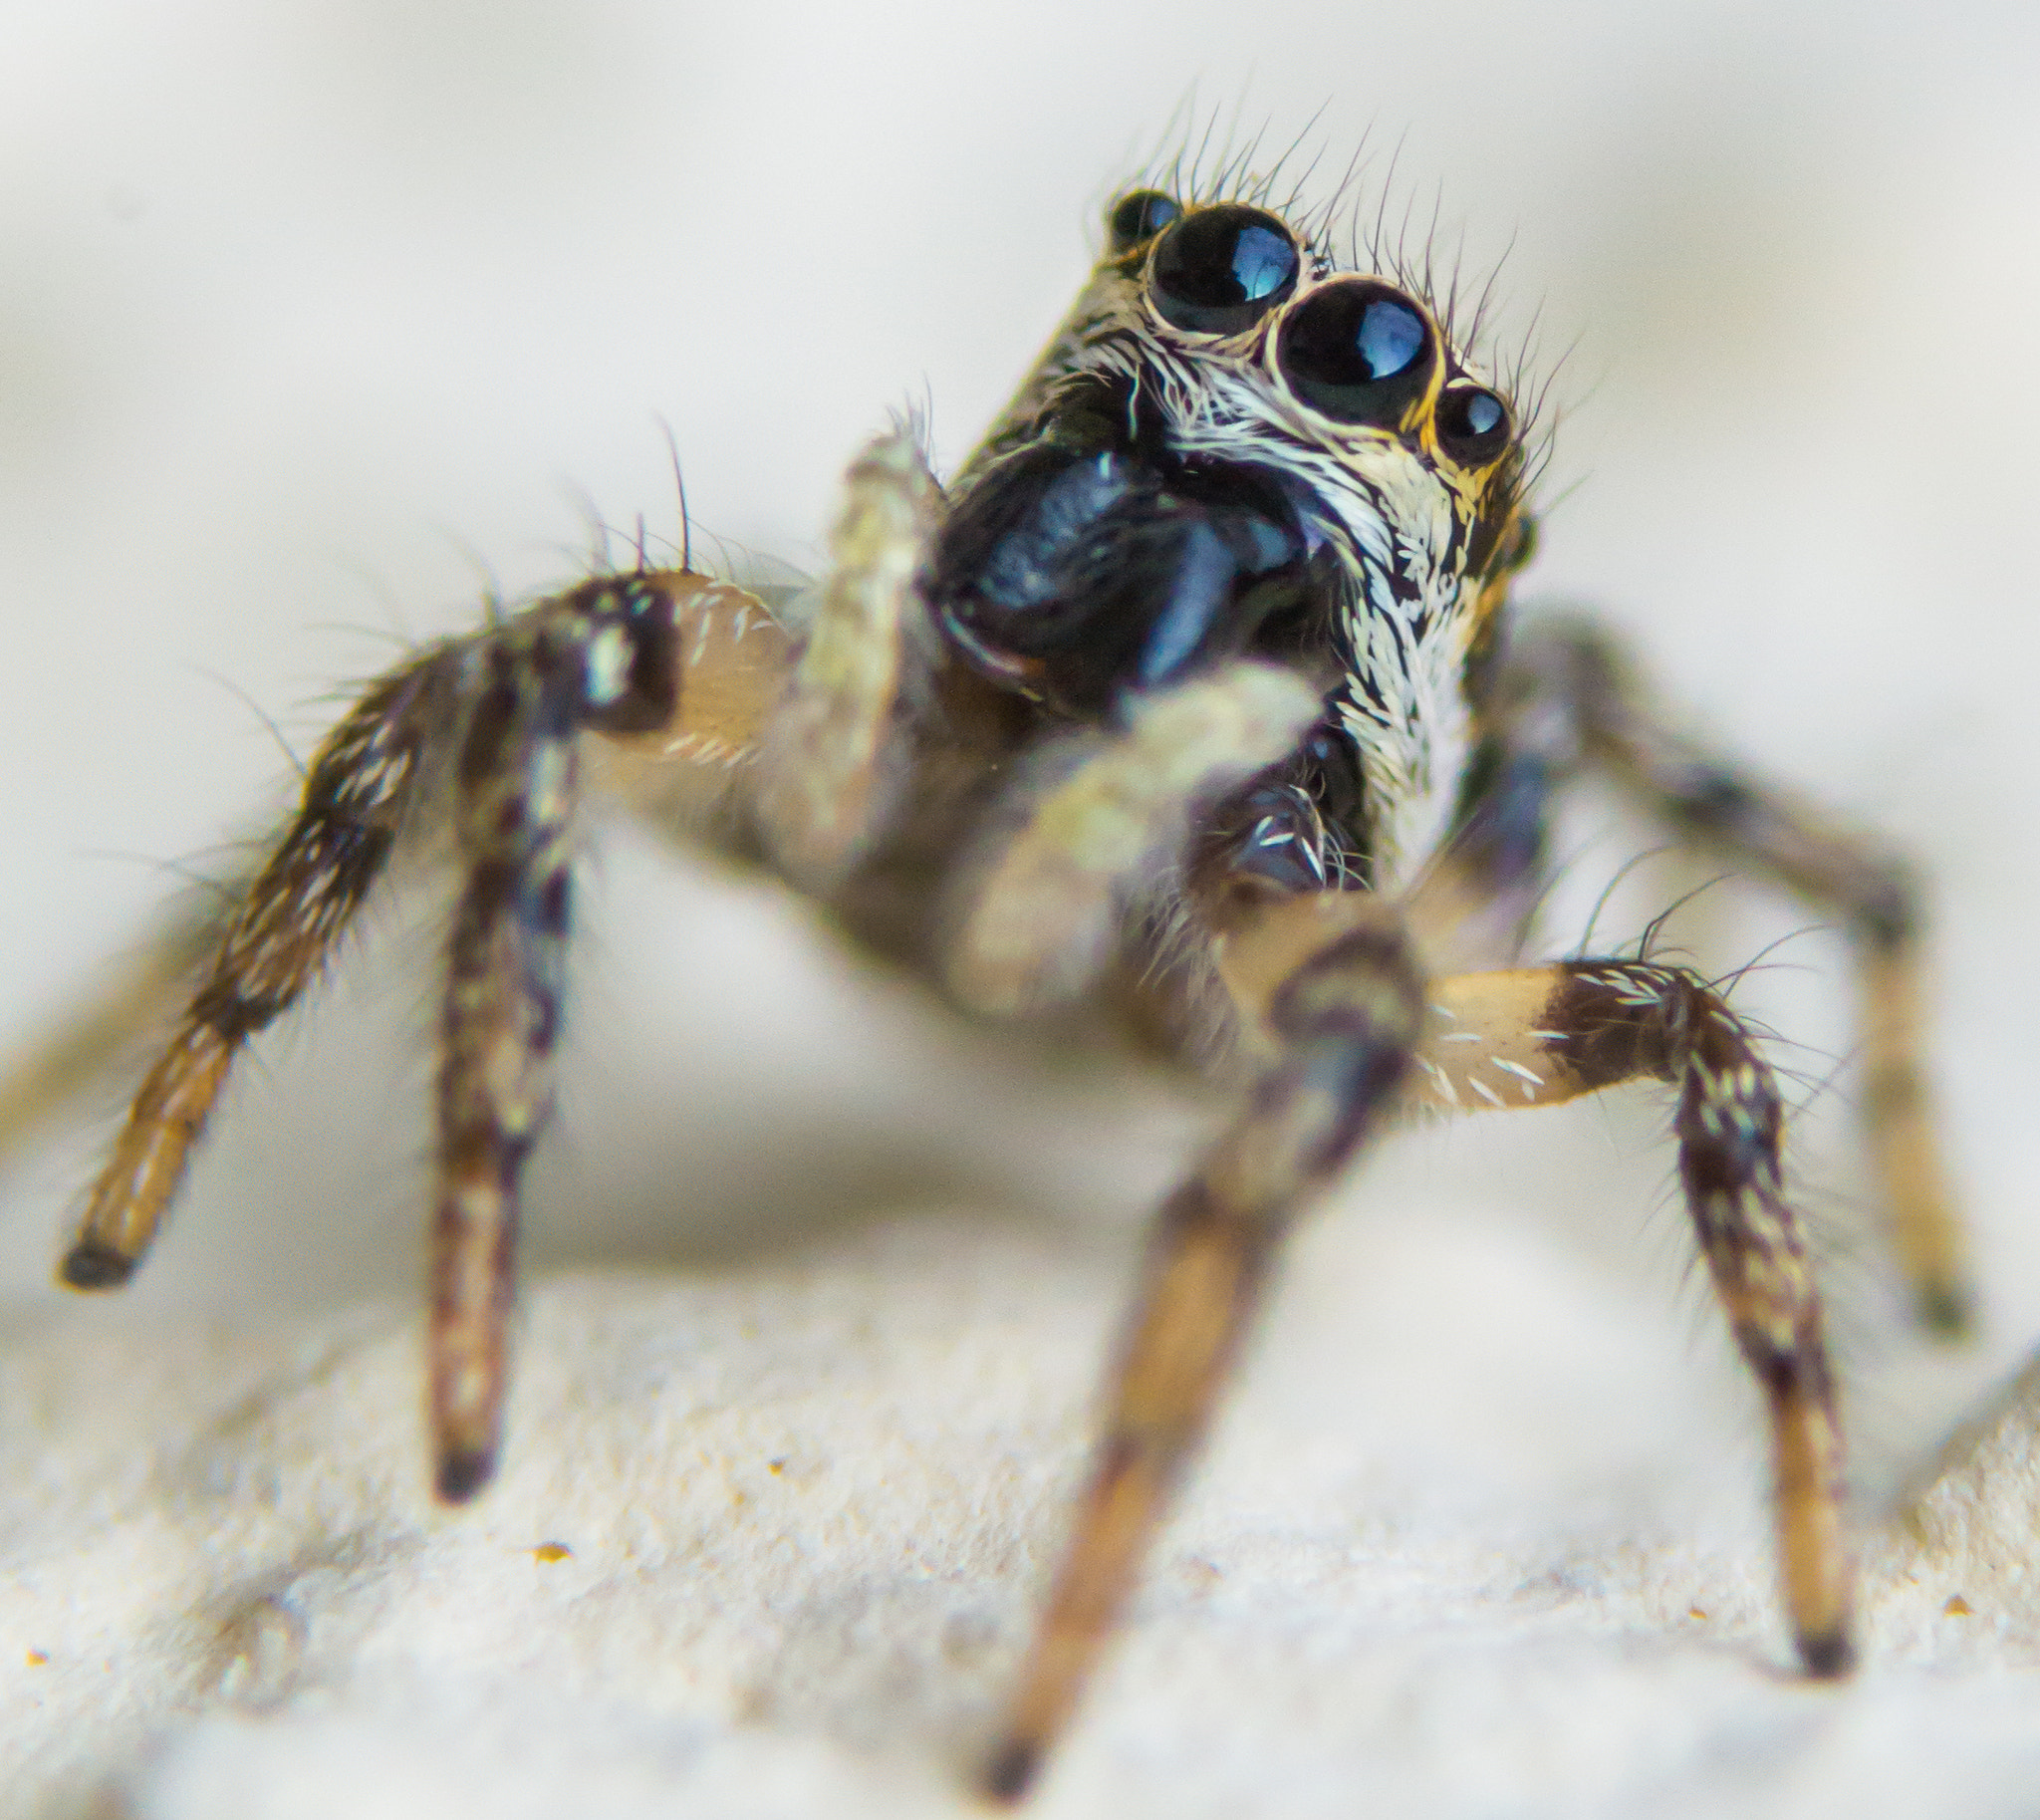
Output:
[[1192, 707]]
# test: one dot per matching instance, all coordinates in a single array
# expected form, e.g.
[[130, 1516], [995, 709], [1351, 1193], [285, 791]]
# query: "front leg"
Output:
[[1347, 1022]]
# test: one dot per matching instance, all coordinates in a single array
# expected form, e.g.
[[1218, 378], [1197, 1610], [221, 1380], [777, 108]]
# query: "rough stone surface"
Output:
[[768, 1539]]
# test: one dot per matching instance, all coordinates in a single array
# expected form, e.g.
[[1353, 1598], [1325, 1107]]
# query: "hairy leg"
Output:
[[1538, 1036], [359, 793], [1574, 670], [53, 1072], [486, 731], [1347, 1021]]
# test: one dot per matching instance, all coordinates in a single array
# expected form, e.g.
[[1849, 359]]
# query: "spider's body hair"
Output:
[[1399, 530]]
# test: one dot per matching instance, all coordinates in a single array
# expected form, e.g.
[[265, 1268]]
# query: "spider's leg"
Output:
[[359, 792], [734, 661], [829, 762], [1346, 1023], [493, 724], [602, 658], [1537, 1036], [1103, 810], [1712, 801]]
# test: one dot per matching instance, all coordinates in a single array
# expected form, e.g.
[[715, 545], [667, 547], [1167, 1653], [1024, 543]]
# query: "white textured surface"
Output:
[[809, 1506], [290, 297]]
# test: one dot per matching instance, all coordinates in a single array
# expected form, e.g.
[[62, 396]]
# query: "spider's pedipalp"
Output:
[[1347, 1022], [1042, 914], [829, 768]]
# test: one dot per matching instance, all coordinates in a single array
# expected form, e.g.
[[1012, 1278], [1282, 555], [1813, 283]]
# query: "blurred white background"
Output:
[[313, 317]]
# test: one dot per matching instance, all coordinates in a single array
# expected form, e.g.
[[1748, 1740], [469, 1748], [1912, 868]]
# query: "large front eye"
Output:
[[1356, 351], [1222, 269], [1139, 215], [1473, 424]]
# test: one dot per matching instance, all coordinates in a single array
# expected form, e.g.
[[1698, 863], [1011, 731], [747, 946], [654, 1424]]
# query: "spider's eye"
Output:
[[1222, 269], [1473, 424], [1139, 215], [1356, 351]]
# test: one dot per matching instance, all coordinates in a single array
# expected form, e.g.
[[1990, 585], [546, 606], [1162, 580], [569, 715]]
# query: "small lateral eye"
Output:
[[1221, 269], [1473, 424], [1139, 215], [1358, 351]]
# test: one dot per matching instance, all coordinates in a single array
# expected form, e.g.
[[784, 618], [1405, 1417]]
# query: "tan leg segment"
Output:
[[1346, 1020], [735, 659], [826, 758], [1806, 850], [1926, 1231]]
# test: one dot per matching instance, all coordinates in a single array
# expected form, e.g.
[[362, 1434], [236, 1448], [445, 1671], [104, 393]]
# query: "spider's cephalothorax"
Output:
[[1232, 449], [1190, 707]]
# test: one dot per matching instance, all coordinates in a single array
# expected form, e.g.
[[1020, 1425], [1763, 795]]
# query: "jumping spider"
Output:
[[1193, 707]]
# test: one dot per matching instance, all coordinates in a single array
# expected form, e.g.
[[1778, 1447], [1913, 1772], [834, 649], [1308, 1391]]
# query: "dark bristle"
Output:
[[88, 1264]]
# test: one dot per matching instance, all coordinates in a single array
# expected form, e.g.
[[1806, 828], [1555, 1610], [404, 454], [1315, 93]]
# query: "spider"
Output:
[[1192, 711]]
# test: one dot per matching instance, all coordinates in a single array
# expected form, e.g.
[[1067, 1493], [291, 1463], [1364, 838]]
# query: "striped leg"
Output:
[[1347, 1021], [1620, 729], [52, 1073], [605, 658], [361, 791], [1538, 1036], [676, 669]]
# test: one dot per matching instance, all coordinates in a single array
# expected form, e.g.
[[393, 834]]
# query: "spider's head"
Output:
[[1233, 448]]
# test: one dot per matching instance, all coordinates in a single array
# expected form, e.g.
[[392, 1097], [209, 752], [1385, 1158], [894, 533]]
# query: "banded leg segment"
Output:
[[1612, 1021], [1348, 1020], [360, 791], [1539, 1036], [602, 659], [1622, 730]]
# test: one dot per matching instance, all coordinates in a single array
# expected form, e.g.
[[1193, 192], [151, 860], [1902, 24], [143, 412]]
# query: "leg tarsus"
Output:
[[1010, 1772], [89, 1264]]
